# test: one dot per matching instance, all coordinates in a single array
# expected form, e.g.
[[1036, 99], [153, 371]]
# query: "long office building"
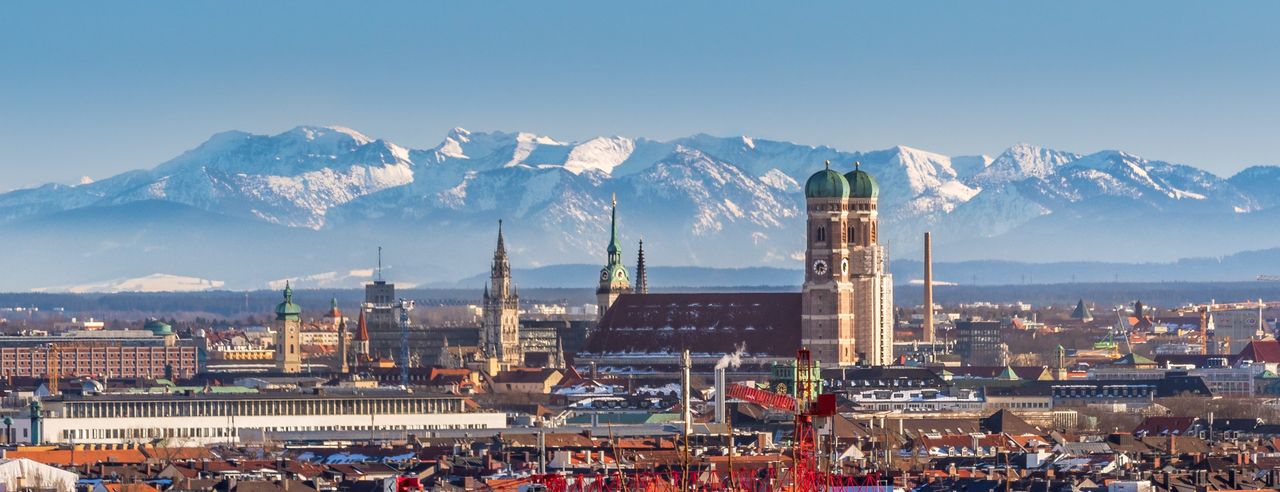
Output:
[[204, 418], [151, 353]]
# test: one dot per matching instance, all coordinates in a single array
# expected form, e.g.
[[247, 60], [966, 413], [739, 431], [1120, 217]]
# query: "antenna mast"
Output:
[[379, 277]]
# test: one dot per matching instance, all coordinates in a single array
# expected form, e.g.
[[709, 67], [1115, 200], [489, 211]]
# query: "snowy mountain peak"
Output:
[[328, 134], [1023, 161], [600, 154]]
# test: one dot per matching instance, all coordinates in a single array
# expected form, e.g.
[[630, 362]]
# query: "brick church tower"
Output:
[[847, 300]]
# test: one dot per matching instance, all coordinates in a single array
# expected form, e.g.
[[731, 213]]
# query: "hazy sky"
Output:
[[95, 88]]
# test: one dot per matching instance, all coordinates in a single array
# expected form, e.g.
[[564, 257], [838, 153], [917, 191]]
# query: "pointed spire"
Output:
[[502, 248], [642, 278], [288, 292], [362, 329], [614, 247]]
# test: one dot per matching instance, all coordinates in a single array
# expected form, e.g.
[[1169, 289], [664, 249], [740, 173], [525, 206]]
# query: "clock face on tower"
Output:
[[820, 267], [604, 275]]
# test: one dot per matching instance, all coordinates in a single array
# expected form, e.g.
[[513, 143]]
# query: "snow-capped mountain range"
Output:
[[252, 209]]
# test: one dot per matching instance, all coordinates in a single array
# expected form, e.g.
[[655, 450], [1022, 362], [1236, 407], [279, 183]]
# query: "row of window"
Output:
[[232, 432], [255, 407]]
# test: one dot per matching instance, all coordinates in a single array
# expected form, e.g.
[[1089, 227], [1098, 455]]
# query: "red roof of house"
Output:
[[767, 323]]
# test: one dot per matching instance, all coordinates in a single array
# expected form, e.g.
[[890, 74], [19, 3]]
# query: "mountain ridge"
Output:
[[721, 202]]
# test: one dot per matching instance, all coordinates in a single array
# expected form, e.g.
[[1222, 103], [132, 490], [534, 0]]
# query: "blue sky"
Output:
[[96, 88]]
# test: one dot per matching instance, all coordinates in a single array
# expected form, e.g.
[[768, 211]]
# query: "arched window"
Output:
[[853, 234], [821, 234]]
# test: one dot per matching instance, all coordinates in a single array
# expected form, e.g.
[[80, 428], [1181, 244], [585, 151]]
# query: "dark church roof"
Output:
[[710, 323]]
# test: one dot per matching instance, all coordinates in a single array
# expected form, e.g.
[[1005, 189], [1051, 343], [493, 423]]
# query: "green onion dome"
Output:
[[826, 184]]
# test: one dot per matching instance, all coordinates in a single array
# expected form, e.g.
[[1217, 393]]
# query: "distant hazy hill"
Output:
[[907, 273], [313, 203]]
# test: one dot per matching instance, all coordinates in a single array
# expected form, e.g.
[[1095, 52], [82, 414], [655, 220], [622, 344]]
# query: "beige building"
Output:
[[526, 381]]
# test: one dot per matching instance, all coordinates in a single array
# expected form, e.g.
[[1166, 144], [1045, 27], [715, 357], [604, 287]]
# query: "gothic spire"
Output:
[[502, 248], [642, 279]]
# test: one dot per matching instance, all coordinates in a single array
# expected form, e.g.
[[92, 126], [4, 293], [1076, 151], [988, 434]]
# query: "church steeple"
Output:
[[614, 280], [500, 336], [642, 279]]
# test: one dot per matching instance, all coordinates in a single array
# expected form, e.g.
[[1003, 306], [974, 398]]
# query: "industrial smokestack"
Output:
[[686, 413], [927, 327], [721, 396]]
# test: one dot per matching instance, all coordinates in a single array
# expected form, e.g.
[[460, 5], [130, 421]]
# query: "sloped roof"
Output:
[[1004, 421], [1157, 426], [1132, 359], [1261, 351], [524, 375], [1081, 312], [767, 323], [63, 457]]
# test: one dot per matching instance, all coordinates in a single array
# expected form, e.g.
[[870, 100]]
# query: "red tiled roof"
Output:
[[1261, 351], [1157, 426], [65, 457], [767, 323]]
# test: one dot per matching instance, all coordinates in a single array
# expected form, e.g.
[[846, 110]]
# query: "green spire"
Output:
[[615, 248], [614, 272], [287, 310]]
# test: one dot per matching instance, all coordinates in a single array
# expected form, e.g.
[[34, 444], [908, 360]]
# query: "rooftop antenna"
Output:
[[379, 264]]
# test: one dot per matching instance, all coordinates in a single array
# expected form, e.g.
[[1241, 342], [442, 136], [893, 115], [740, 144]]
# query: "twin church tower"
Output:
[[847, 301], [847, 298]]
